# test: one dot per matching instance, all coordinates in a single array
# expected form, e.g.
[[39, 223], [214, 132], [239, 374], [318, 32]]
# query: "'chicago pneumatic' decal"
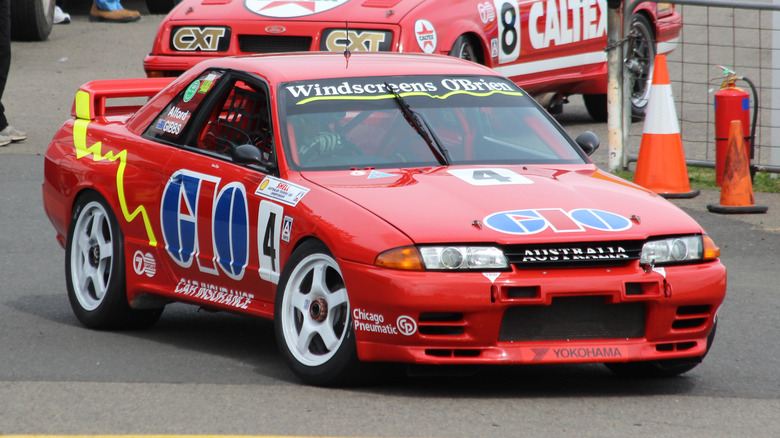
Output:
[[365, 321], [291, 9]]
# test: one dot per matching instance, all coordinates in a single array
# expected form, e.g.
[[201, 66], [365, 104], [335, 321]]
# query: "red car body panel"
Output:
[[399, 316], [555, 51]]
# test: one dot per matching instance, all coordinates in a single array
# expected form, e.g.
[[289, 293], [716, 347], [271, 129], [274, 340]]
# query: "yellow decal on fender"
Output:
[[80, 143]]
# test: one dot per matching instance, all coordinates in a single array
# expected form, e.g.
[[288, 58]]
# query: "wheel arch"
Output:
[[466, 29], [477, 42], [650, 18], [83, 191]]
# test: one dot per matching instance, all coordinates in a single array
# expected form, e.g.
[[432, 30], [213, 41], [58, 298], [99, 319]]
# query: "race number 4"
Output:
[[489, 176], [269, 216]]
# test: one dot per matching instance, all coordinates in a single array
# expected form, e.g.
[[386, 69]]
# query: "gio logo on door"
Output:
[[206, 224]]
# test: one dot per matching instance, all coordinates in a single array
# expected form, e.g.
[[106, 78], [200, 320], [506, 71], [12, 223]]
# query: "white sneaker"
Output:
[[61, 17], [12, 133], [5, 140]]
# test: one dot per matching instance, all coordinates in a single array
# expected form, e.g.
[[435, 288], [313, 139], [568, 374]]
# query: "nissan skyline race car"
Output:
[[551, 48], [379, 207]]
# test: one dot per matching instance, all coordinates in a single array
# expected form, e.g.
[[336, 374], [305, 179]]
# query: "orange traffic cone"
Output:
[[736, 194], [661, 164]]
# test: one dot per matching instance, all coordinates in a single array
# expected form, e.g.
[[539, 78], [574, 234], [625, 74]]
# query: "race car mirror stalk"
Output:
[[588, 141], [248, 154]]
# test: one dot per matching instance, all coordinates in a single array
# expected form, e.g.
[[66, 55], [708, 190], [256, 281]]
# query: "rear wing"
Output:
[[90, 101]]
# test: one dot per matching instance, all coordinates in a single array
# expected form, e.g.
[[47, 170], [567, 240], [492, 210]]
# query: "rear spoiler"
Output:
[[90, 101]]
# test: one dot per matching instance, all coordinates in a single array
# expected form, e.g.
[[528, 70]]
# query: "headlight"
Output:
[[679, 250], [444, 258]]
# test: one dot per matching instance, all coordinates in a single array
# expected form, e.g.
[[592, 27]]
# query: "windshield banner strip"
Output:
[[305, 92], [413, 93]]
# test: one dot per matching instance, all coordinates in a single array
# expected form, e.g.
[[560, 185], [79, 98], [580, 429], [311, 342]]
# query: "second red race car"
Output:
[[407, 208], [551, 48]]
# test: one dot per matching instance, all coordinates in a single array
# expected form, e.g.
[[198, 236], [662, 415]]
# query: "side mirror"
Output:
[[247, 154], [588, 141]]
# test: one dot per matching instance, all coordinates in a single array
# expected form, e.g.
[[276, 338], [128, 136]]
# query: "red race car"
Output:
[[379, 207], [551, 48]]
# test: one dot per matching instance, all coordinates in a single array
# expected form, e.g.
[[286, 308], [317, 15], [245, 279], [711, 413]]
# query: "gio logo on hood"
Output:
[[534, 221]]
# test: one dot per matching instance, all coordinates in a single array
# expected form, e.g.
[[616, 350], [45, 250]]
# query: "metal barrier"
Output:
[[745, 37]]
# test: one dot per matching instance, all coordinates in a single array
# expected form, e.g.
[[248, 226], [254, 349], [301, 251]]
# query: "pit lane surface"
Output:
[[206, 373]]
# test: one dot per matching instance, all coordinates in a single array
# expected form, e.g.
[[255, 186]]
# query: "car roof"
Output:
[[286, 67]]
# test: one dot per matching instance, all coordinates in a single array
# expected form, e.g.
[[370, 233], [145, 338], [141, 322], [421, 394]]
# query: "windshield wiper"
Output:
[[422, 127]]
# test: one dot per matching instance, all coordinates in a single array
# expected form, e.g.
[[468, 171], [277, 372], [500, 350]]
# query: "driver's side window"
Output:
[[241, 116]]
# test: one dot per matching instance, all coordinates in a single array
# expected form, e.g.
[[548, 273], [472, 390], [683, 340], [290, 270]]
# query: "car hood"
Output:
[[469, 204], [365, 11]]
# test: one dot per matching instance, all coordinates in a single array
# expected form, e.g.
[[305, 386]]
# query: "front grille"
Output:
[[273, 43], [580, 254], [574, 318], [691, 317], [441, 323]]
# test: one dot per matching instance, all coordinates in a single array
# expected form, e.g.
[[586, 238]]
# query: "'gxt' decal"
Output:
[[205, 39], [80, 143], [356, 40]]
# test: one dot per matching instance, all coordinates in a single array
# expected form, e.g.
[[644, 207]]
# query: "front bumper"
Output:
[[534, 316]]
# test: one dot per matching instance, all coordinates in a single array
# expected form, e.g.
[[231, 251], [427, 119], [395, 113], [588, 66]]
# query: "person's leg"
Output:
[[5, 53], [108, 5], [112, 11], [7, 132]]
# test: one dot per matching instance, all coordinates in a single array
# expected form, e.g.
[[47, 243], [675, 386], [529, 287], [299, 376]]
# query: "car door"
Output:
[[222, 239]]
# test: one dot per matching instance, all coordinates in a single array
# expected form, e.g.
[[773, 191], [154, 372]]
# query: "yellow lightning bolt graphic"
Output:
[[80, 142]]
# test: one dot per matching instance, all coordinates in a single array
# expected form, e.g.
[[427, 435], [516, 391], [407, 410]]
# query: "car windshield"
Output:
[[360, 122]]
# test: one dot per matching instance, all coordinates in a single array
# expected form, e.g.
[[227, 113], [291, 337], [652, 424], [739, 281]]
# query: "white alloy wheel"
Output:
[[95, 269], [91, 256], [315, 310]]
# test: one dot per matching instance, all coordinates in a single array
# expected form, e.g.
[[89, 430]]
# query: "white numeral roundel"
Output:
[[508, 30], [269, 232]]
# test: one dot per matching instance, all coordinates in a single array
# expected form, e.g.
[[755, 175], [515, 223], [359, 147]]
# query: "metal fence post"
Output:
[[615, 126], [774, 138]]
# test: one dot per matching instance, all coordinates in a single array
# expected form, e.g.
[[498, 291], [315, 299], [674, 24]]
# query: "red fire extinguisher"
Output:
[[731, 103]]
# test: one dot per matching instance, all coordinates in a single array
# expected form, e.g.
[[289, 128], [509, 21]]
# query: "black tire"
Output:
[[312, 319], [95, 269], [465, 48], [31, 20], [596, 104], [638, 64], [661, 368], [161, 6]]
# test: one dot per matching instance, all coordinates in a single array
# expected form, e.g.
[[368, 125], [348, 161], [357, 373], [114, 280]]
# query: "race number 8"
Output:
[[508, 30]]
